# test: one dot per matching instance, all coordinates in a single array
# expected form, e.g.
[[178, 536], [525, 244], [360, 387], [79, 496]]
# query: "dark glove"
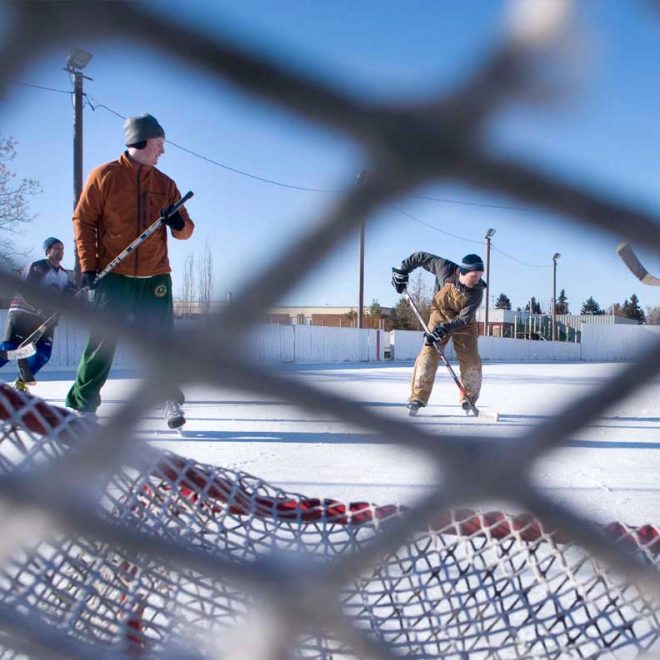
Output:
[[88, 279], [433, 338], [399, 279], [173, 220]]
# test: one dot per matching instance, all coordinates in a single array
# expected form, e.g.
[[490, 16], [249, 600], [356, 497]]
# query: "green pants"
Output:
[[147, 301]]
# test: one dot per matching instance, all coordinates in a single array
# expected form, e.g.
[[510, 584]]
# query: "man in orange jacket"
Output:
[[119, 201]]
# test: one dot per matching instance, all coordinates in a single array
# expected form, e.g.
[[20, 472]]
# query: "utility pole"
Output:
[[75, 63], [489, 234], [360, 317], [554, 294]]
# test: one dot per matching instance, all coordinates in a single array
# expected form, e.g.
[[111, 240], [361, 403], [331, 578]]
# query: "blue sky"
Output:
[[605, 134]]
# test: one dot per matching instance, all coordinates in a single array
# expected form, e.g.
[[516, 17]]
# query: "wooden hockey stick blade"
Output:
[[628, 256], [19, 353], [25, 372]]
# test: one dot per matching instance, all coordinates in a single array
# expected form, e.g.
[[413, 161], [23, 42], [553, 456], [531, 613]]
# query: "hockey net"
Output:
[[477, 584], [110, 548]]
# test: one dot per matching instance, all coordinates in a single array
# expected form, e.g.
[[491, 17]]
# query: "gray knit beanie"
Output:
[[140, 128], [49, 242]]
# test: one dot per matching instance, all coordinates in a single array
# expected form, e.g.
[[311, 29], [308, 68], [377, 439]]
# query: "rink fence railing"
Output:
[[300, 344]]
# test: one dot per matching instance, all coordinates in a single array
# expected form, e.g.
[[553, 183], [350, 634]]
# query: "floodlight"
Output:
[[78, 59]]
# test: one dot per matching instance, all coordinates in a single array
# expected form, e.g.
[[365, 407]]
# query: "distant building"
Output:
[[338, 317], [522, 324], [195, 309]]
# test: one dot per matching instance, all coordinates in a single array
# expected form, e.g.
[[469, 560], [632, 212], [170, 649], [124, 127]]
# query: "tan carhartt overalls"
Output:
[[447, 304]]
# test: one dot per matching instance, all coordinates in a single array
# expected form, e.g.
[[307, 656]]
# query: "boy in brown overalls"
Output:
[[459, 291]]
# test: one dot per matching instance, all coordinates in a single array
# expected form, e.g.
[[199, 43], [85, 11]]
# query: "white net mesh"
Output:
[[106, 552], [488, 584]]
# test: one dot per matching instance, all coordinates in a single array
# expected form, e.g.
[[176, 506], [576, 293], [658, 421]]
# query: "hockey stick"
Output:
[[628, 256], [141, 238], [443, 357], [25, 372], [39, 332], [18, 353]]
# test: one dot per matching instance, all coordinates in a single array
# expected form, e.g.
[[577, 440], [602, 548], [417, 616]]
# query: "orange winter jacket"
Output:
[[119, 201]]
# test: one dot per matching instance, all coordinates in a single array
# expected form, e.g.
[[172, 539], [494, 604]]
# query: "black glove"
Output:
[[399, 279], [88, 279], [173, 220], [432, 338]]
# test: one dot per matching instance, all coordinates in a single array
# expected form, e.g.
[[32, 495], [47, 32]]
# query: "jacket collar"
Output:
[[126, 161]]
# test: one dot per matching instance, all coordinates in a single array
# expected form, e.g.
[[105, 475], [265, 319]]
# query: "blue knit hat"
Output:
[[470, 263], [50, 241]]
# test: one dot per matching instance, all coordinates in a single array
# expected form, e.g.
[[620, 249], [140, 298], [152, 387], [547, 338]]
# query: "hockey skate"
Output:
[[413, 407], [173, 415], [21, 386]]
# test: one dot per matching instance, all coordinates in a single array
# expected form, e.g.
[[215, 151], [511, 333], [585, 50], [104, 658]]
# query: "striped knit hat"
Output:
[[471, 262]]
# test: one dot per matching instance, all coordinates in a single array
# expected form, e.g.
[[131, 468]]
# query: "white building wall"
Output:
[[602, 343]]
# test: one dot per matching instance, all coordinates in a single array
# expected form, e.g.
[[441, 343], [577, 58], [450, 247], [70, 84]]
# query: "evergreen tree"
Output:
[[561, 306], [535, 306], [590, 306], [632, 310], [373, 315], [403, 318], [503, 302], [350, 318]]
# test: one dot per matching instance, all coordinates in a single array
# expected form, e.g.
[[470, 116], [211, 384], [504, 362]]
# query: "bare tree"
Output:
[[187, 290], [14, 195], [653, 315], [205, 280], [403, 316]]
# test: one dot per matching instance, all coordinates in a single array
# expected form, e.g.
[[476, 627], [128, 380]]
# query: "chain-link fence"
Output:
[[406, 146]]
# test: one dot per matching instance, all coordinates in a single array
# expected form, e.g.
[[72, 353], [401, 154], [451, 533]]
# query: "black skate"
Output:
[[413, 407], [173, 415]]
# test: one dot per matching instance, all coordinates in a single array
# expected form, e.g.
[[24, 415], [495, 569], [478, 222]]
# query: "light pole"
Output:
[[489, 234], [75, 63], [554, 294]]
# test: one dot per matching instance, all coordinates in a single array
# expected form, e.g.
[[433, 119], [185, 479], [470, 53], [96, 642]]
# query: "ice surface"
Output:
[[610, 470]]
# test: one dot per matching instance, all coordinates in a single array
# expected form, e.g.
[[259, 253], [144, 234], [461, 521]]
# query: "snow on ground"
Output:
[[610, 470]]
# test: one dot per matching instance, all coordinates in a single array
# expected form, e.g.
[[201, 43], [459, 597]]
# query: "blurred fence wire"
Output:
[[405, 146]]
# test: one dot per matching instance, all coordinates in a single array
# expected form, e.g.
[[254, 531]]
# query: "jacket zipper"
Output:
[[139, 216]]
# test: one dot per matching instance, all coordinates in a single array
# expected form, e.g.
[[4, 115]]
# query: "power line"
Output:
[[466, 203], [427, 224], [468, 240], [94, 106], [48, 89], [223, 165], [524, 263]]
